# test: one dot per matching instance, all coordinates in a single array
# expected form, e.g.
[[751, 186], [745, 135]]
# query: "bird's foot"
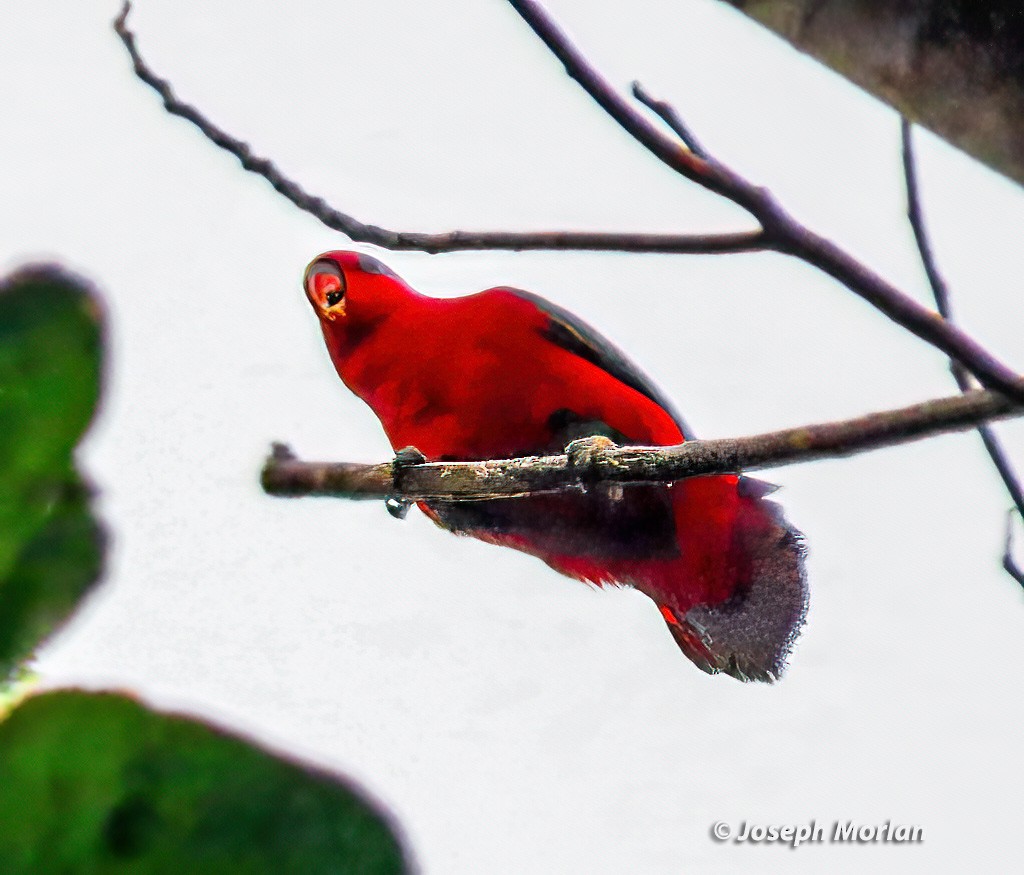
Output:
[[396, 506]]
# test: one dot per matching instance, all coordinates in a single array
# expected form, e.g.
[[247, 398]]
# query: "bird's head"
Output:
[[351, 286]]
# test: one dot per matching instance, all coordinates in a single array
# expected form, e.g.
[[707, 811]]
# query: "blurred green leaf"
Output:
[[98, 783], [52, 572], [50, 371]]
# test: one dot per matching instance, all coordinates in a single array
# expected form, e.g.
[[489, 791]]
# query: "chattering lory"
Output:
[[504, 373]]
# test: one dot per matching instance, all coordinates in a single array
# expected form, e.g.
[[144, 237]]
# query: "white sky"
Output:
[[516, 721]]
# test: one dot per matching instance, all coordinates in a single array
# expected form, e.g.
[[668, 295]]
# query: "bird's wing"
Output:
[[573, 334]]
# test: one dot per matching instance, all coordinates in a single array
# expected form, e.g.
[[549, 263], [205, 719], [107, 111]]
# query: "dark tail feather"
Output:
[[749, 636]]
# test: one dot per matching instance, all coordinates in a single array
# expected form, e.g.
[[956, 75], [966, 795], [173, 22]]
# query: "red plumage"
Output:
[[504, 373]]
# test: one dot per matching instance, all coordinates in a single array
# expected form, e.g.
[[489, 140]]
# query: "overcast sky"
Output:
[[516, 721]]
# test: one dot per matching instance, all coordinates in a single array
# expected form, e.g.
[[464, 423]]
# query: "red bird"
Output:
[[504, 373]]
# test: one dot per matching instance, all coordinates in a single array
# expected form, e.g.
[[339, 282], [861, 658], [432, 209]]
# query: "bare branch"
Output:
[[451, 241], [597, 460], [942, 301], [784, 233]]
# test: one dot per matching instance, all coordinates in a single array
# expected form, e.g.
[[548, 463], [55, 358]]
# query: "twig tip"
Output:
[[280, 452], [122, 17]]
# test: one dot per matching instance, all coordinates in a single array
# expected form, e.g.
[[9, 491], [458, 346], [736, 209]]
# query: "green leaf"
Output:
[[50, 372], [98, 783], [52, 572]]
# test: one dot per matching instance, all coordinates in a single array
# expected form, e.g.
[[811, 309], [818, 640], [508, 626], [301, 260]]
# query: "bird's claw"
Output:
[[408, 456], [586, 452], [397, 507], [405, 457]]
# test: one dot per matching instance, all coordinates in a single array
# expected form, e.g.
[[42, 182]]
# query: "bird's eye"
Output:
[[325, 284]]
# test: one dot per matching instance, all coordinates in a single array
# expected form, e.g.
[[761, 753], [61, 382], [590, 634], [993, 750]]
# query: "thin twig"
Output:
[[591, 461], [667, 113], [940, 291], [784, 233], [1009, 563], [780, 232]]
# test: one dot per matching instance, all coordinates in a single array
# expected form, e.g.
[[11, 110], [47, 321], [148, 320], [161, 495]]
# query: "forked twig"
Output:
[[667, 113], [784, 233]]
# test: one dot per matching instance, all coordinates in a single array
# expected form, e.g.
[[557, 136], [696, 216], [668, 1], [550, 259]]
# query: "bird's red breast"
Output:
[[504, 373]]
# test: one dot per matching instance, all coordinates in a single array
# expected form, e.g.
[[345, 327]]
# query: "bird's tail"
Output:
[[750, 566]]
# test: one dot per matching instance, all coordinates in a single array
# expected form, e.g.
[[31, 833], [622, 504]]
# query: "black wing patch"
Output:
[[573, 334], [633, 522]]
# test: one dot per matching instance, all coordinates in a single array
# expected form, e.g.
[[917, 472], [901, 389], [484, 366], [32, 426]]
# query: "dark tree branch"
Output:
[[591, 461], [942, 300], [780, 232], [784, 233]]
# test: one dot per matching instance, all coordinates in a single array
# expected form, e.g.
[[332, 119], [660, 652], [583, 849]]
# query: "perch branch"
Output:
[[591, 461], [779, 231]]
